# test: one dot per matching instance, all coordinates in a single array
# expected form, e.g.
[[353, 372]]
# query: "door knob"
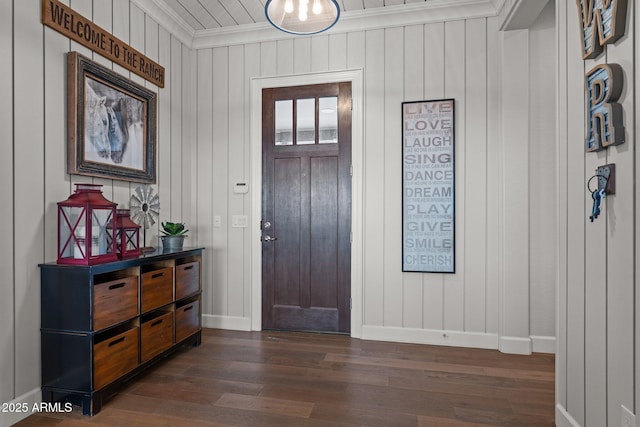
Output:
[[268, 238]]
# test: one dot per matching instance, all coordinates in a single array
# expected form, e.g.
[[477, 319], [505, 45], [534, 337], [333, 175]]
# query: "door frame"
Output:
[[355, 76]]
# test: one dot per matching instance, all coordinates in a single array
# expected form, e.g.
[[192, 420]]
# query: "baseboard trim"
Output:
[[26, 400], [226, 322], [515, 345], [563, 418], [430, 336], [541, 344]]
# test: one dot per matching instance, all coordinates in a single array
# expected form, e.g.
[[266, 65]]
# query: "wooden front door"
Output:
[[306, 208]]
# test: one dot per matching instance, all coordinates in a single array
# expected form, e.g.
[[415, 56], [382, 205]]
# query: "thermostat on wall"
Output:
[[240, 188]]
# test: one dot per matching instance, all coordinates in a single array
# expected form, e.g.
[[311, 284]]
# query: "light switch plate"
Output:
[[239, 221]]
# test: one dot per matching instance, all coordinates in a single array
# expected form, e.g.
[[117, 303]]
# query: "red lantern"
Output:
[[84, 235], [127, 235]]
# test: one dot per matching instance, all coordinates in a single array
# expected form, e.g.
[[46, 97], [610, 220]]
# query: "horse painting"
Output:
[[117, 138], [96, 132], [113, 125]]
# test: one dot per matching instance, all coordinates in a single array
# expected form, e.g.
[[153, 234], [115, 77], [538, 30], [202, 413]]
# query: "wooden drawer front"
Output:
[[187, 320], [114, 357], [187, 279], [157, 288], [114, 302], [156, 336]]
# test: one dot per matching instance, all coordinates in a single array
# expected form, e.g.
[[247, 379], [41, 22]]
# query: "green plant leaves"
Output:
[[174, 229]]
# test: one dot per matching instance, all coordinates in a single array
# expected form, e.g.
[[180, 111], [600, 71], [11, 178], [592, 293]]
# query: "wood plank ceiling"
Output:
[[209, 14]]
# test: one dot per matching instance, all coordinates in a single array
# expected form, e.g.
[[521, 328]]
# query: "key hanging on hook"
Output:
[[595, 210]]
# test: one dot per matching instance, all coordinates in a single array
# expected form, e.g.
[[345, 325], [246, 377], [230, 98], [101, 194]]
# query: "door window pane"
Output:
[[328, 120], [284, 122], [306, 121]]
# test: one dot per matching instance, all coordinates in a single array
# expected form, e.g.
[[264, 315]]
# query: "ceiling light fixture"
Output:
[[296, 17]]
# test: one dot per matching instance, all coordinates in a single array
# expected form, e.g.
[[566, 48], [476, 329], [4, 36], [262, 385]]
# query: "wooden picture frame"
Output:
[[428, 186], [111, 123]]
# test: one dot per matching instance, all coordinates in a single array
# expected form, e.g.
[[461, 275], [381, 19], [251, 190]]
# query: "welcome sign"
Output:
[[68, 22], [428, 190]]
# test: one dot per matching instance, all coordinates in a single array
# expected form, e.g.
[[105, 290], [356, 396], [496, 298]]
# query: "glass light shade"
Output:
[[302, 17], [84, 235]]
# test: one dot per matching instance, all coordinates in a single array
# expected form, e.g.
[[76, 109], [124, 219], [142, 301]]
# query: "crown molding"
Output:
[[359, 20], [168, 19], [520, 14]]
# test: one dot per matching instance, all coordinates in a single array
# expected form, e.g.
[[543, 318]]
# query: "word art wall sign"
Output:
[[602, 22], [604, 114], [428, 186]]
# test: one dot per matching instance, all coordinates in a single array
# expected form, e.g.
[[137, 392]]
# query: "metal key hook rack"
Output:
[[606, 176], [606, 185]]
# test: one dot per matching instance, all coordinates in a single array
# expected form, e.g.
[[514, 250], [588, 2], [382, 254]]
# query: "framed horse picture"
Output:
[[111, 123]]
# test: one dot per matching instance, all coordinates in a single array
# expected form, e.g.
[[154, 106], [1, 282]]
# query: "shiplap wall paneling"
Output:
[[636, 35], [413, 91], [434, 78], [338, 51], [7, 332], [493, 195], [576, 220], [165, 122], [595, 322], [29, 193], [122, 190], [596, 326], [221, 182], [374, 177], [33, 161], [204, 166], [251, 70], [57, 185], [562, 159], [475, 184], [217, 298], [121, 28], [238, 149], [302, 55], [356, 57], [189, 123], [619, 217], [542, 163], [285, 59], [454, 87], [515, 304], [171, 207], [320, 53], [392, 185], [636, 259], [268, 59]]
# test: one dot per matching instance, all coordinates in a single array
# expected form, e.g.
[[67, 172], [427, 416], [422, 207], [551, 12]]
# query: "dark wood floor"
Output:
[[299, 379]]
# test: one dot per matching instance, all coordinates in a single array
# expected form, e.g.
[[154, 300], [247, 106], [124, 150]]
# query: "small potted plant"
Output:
[[173, 235]]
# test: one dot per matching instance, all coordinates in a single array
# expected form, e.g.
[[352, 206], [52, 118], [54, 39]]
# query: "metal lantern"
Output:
[[84, 234], [127, 235]]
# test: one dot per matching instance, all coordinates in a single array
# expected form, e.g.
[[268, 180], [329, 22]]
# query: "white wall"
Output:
[[32, 159], [496, 293], [543, 193], [597, 333], [204, 147]]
